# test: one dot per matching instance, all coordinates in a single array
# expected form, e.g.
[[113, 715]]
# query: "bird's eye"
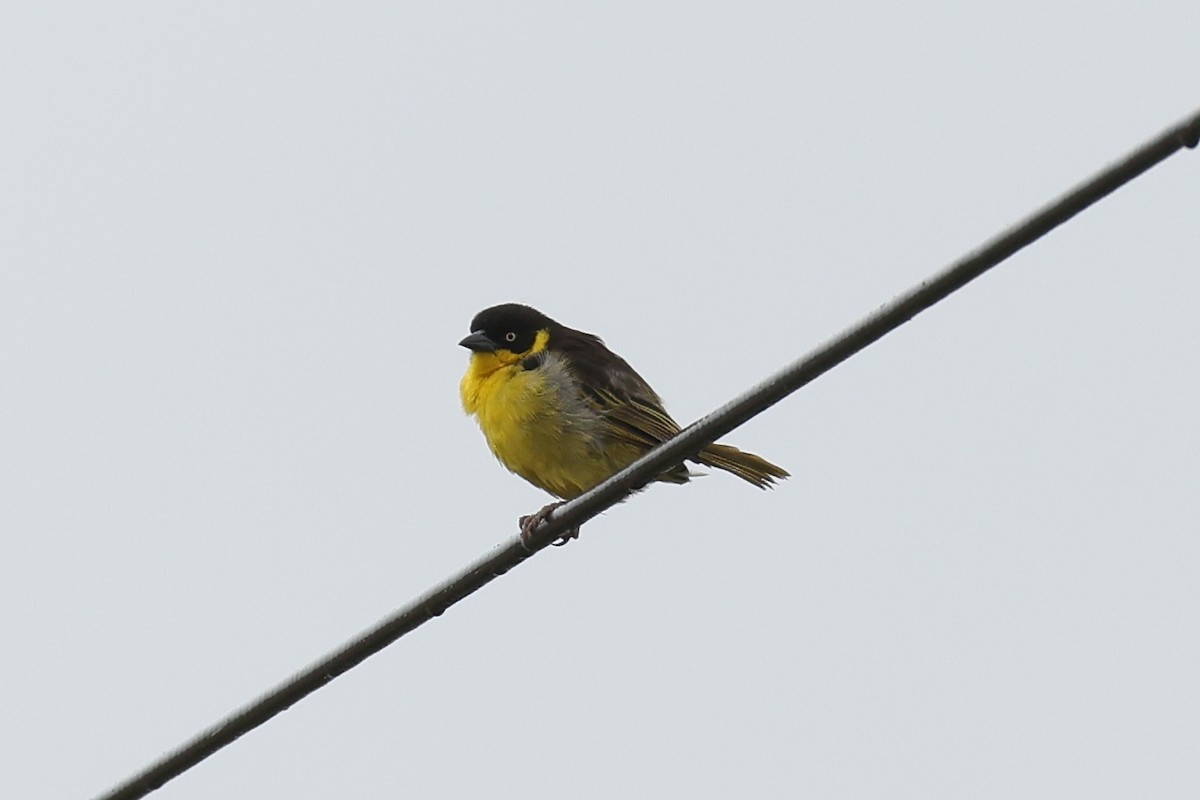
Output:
[[510, 337]]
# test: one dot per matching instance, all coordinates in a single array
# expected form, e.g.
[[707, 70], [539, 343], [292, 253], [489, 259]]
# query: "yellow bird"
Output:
[[564, 412]]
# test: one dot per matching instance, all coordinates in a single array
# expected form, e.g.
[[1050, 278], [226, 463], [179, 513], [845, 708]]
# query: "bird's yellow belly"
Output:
[[550, 440]]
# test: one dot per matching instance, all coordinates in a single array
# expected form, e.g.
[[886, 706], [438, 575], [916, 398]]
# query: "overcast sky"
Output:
[[240, 241]]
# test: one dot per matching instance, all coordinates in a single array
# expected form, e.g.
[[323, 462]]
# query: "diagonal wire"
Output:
[[691, 440]]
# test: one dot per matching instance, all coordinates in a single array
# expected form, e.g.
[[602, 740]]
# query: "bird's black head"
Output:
[[511, 327]]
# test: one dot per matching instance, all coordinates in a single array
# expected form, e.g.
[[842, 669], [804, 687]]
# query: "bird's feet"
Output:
[[530, 522]]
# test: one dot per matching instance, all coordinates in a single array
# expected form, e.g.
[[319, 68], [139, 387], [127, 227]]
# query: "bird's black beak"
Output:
[[478, 342]]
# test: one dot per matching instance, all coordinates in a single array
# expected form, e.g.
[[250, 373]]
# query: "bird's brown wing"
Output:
[[632, 409], [634, 413]]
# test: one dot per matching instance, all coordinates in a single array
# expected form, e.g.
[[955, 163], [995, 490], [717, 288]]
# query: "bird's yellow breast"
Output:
[[538, 425]]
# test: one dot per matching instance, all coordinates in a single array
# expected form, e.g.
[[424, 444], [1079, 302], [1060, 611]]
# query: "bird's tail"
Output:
[[747, 466]]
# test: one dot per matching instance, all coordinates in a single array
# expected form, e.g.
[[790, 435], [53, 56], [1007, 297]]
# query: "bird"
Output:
[[562, 411]]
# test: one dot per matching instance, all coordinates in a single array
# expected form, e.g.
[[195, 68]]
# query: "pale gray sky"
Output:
[[240, 242]]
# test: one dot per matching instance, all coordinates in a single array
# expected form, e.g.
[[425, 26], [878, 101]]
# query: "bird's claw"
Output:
[[530, 522]]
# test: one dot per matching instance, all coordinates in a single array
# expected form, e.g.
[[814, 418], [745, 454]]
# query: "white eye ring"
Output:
[[510, 337]]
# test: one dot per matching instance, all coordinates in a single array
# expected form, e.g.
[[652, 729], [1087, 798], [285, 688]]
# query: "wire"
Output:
[[688, 442]]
